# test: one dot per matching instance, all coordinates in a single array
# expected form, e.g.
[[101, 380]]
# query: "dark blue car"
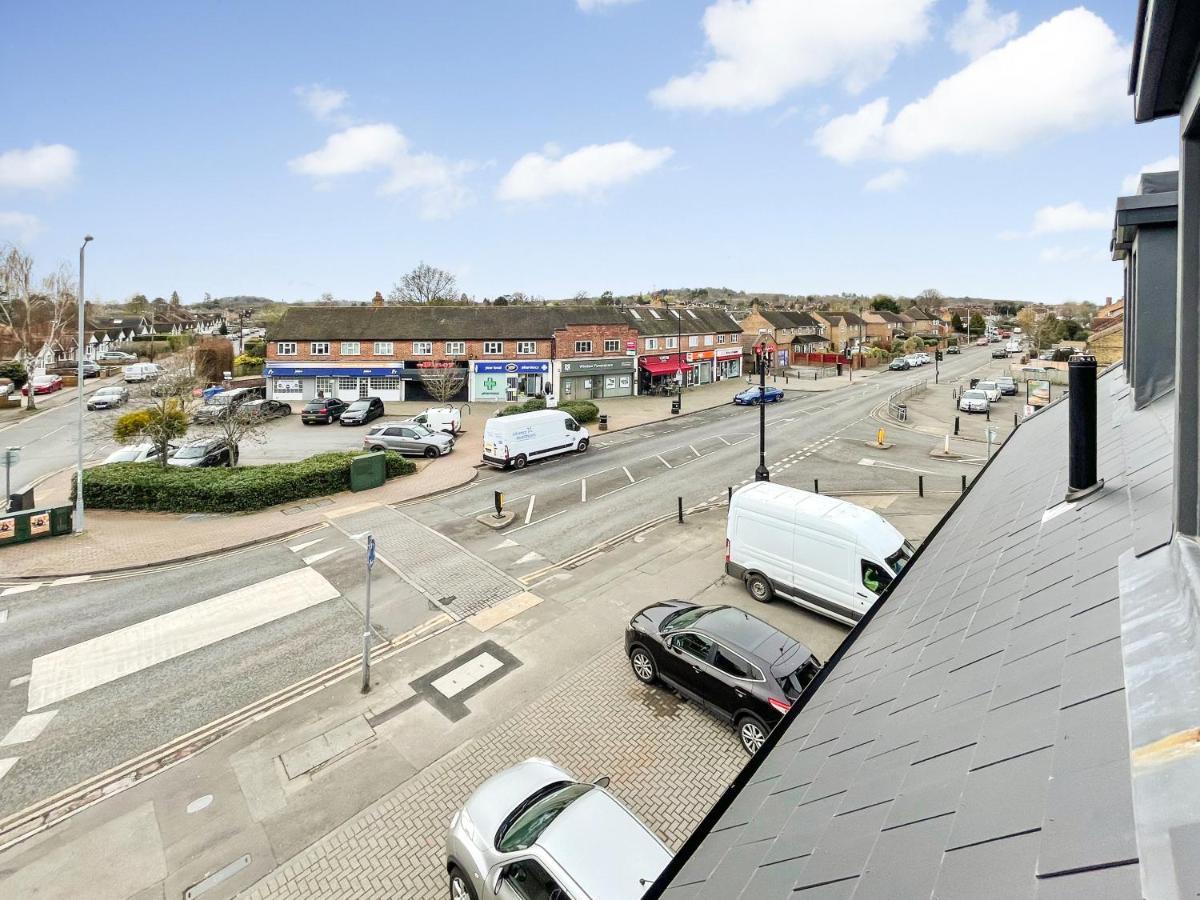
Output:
[[749, 396]]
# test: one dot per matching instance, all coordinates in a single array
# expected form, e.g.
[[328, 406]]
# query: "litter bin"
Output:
[[902, 412], [603, 422], [839, 365], [675, 407]]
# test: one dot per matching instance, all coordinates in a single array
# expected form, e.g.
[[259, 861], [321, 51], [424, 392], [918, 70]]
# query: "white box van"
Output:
[[440, 418], [518, 439], [825, 554], [141, 372]]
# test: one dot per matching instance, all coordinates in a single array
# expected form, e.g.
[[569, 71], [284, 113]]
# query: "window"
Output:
[[693, 341], [351, 348], [583, 346], [529, 881], [527, 822], [383, 348], [422, 348], [456, 348], [654, 314], [494, 348], [571, 424], [651, 343], [732, 664], [526, 348], [708, 339], [385, 384], [693, 644], [286, 348], [319, 348], [672, 343], [720, 338], [612, 346], [874, 578], [348, 384], [324, 387]]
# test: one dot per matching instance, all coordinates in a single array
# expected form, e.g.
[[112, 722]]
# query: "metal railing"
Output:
[[897, 408]]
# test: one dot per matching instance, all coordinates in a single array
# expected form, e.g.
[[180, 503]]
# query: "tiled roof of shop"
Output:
[[413, 322], [972, 740]]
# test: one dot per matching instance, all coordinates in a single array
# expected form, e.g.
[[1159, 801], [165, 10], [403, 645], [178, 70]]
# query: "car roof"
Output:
[[745, 633]]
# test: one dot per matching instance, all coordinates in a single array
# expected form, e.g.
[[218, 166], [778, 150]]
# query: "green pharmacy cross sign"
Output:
[[489, 383]]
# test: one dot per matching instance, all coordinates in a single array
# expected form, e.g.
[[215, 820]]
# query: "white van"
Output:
[[825, 554], [518, 439], [141, 372], [440, 418]]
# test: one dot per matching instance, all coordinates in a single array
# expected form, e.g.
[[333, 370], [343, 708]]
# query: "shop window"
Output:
[[384, 384]]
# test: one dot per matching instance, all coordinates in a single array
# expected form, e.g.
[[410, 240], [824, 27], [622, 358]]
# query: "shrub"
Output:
[[142, 486], [255, 347], [214, 358], [245, 364], [528, 406], [583, 411], [14, 370]]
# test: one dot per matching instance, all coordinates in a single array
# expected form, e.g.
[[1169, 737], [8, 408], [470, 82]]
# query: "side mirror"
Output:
[[494, 876], [602, 782]]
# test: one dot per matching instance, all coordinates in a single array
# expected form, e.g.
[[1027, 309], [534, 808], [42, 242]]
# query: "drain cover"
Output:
[[217, 877]]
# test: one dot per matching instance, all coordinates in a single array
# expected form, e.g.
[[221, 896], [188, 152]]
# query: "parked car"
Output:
[[203, 453], [991, 389], [265, 409], [324, 411], [533, 832], [138, 453], [362, 411], [42, 384], [117, 357], [108, 398], [1013, 347], [518, 439], [953, 348], [730, 662], [440, 418], [750, 396], [914, 360], [1008, 387], [408, 438], [822, 553], [900, 365], [224, 404], [982, 342], [924, 358], [999, 353], [973, 402], [71, 367], [141, 372]]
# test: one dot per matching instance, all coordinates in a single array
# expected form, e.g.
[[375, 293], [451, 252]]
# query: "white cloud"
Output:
[[978, 29], [45, 166], [587, 171], [320, 101], [22, 226], [1072, 255], [891, 180], [381, 147], [1167, 164], [589, 5], [1073, 216], [1066, 75], [763, 49]]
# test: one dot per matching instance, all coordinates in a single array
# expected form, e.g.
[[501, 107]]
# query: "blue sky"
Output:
[[190, 142]]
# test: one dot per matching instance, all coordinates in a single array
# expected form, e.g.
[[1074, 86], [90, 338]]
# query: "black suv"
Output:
[[362, 411], [326, 411], [739, 667]]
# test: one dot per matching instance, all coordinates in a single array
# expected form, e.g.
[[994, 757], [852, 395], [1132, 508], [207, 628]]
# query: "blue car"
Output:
[[749, 396]]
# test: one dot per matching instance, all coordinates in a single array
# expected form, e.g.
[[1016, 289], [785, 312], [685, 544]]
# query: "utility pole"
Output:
[[761, 473], [79, 405], [366, 653]]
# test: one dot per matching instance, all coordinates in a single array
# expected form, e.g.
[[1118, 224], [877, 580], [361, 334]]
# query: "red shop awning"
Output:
[[658, 366]]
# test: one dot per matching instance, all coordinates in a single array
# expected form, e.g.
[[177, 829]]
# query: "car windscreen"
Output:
[[684, 618], [974, 395], [900, 558], [124, 456], [315, 406], [109, 392], [525, 824], [359, 406], [195, 452]]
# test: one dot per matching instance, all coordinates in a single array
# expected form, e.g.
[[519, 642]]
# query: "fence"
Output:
[[897, 408]]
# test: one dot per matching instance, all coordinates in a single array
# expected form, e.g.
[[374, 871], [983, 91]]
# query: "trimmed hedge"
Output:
[[583, 411], [149, 487]]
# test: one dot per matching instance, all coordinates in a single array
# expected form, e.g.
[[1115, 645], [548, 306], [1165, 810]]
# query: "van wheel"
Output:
[[583, 445], [760, 589], [751, 732], [520, 461], [431, 452]]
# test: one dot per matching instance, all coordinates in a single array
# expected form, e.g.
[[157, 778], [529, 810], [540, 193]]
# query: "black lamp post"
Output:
[[761, 473], [679, 356]]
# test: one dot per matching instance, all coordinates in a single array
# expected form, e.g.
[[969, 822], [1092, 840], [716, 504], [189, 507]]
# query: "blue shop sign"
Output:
[[513, 368]]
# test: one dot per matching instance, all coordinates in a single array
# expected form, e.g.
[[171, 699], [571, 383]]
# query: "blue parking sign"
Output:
[[370, 551]]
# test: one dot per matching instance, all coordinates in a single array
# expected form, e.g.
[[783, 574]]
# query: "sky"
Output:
[[555, 146]]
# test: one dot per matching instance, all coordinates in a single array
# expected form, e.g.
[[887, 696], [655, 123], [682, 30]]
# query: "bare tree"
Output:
[[164, 418], [443, 383], [35, 319], [236, 427], [425, 284]]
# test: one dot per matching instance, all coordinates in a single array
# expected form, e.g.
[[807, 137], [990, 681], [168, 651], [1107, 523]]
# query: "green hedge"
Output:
[[528, 406], [583, 411], [146, 486]]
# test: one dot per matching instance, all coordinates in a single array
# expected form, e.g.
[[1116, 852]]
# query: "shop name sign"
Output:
[[622, 364], [512, 368]]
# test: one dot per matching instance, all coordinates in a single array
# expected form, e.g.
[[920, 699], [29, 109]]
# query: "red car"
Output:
[[43, 384]]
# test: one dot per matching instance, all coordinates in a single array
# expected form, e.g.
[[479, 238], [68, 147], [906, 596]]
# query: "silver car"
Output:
[[408, 438], [534, 831], [973, 401], [108, 397]]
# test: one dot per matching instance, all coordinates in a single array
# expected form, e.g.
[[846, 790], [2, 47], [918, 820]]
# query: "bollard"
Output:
[[816, 486], [1014, 422], [814, 375], [731, 496], [680, 510], [964, 484], [920, 485], [785, 377], [956, 426], [988, 412]]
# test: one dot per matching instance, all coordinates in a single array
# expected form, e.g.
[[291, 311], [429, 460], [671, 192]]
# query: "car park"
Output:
[[325, 411], [42, 384], [108, 398], [264, 409], [408, 438], [138, 453], [519, 439], [202, 453], [362, 411], [224, 404], [900, 365], [990, 389], [973, 401], [753, 395], [115, 357], [533, 832], [732, 663], [141, 372], [1008, 387], [440, 418], [825, 554]]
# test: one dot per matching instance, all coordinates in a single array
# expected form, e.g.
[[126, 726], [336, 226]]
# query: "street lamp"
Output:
[[79, 405], [761, 473], [679, 357]]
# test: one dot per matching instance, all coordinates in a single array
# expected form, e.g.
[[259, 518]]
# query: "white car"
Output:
[[925, 358], [973, 402], [991, 389], [914, 360], [137, 453], [1013, 347]]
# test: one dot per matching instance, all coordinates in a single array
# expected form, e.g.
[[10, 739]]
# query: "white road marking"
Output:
[[664, 462], [719, 438], [18, 681], [199, 803], [583, 490], [6, 764], [3, 616], [20, 589], [81, 667], [70, 579], [531, 556], [27, 728], [628, 475], [505, 543], [309, 560], [305, 545], [693, 449], [458, 680], [528, 510]]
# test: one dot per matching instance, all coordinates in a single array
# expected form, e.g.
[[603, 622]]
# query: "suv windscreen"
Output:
[[525, 824], [359, 406], [683, 619], [194, 452]]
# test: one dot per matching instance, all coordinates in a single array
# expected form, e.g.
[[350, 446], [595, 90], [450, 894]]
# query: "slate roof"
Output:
[[692, 321], [432, 322], [970, 738], [887, 316], [789, 318], [916, 314], [848, 318]]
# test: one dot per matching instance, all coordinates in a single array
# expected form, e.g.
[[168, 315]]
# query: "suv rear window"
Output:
[[525, 824], [315, 406]]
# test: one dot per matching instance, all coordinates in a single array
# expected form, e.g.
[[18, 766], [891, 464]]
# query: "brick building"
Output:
[[698, 345], [844, 329], [791, 334], [595, 354]]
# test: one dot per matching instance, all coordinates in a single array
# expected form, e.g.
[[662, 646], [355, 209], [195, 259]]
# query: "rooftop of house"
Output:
[[840, 318], [788, 318], [883, 315]]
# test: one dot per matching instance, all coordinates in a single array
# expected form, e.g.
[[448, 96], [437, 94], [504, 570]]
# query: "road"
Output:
[[100, 670]]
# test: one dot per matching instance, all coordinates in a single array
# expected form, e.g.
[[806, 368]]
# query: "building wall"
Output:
[[565, 339], [1155, 252], [403, 350]]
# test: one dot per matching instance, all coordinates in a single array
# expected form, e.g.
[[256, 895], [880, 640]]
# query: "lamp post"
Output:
[[79, 405], [761, 473], [679, 355]]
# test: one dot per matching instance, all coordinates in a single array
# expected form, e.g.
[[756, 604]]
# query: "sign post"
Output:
[[12, 456], [498, 500], [366, 657]]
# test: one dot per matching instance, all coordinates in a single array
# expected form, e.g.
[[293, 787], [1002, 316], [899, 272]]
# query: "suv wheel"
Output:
[[460, 888], [760, 589], [378, 448], [643, 666], [751, 732], [520, 461], [431, 452]]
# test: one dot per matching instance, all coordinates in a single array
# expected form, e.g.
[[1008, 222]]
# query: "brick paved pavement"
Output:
[[668, 762]]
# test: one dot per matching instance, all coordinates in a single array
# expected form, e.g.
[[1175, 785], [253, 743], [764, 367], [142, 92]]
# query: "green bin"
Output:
[[368, 471]]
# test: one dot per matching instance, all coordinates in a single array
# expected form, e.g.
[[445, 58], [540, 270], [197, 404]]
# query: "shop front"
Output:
[[508, 382], [702, 366], [438, 381], [660, 374], [728, 362], [588, 379], [301, 383]]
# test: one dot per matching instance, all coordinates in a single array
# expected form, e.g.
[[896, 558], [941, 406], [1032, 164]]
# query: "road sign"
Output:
[[498, 499], [370, 550], [12, 456]]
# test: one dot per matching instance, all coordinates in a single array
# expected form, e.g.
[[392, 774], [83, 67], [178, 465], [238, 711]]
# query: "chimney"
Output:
[[377, 300], [1082, 481]]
